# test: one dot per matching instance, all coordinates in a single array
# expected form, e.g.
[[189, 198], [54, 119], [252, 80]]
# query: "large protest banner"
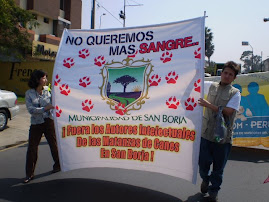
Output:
[[127, 98], [251, 127]]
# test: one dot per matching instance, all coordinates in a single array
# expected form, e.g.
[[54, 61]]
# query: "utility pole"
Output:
[[93, 14], [101, 20], [85, 14], [122, 14]]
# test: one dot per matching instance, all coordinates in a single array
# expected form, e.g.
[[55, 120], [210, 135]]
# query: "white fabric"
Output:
[[234, 102], [207, 85], [127, 98]]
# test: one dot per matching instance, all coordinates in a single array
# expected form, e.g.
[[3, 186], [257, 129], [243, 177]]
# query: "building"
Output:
[[53, 16]]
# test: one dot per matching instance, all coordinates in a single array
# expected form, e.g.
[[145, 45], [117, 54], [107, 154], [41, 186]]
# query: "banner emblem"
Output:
[[126, 84]]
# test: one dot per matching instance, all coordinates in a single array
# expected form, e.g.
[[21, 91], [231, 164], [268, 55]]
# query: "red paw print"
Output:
[[197, 86], [172, 102], [120, 109], [99, 61], [87, 105], [57, 80], [166, 57], [190, 104], [58, 111], [84, 53], [155, 80], [85, 81], [65, 89], [133, 55], [172, 77], [69, 62], [197, 53]]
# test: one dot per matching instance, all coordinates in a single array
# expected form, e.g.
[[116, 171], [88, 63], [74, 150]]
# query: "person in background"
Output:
[[38, 103], [212, 152]]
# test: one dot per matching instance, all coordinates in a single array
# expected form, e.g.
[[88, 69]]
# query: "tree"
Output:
[[246, 57], [14, 39], [211, 69], [209, 46], [125, 81]]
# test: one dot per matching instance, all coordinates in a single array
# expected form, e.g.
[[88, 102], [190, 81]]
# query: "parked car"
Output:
[[8, 107], [207, 75]]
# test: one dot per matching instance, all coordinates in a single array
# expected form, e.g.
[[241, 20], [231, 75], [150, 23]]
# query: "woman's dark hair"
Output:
[[35, 78]]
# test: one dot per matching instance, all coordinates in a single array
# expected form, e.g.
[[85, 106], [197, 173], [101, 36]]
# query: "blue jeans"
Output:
[[211, 152]]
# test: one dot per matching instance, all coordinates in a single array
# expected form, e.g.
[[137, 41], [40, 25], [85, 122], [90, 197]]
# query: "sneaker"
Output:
[[213, 197], [204, 187]]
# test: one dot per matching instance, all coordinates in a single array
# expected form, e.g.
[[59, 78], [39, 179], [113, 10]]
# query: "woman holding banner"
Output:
[[38, 103]]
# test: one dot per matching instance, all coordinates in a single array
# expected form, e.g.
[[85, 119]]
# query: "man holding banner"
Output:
[[212, 151]]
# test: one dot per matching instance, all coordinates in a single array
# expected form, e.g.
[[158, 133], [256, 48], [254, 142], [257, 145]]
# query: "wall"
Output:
[[75, 14], [48, 7], [23, 4], [44, 28], [15, 76]]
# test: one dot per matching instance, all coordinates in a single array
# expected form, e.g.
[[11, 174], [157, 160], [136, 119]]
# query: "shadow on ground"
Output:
[[249, 155], [75, 189]]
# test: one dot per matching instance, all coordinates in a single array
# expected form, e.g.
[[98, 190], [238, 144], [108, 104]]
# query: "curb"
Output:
[[17, 144]]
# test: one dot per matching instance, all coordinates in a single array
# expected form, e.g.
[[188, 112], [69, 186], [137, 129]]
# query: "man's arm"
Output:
[[231, 106], [226, 110]]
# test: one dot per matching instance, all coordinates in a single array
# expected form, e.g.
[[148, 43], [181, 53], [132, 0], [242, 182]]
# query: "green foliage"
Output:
[[21, 100], [209, 45], [14, 39], [246, 57], [211, 69], [122, 100]]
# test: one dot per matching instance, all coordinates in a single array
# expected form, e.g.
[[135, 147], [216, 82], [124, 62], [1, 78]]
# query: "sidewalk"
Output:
[[17, 129]]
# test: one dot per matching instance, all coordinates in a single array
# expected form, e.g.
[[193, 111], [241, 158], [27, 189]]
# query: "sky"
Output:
[[231, 21]]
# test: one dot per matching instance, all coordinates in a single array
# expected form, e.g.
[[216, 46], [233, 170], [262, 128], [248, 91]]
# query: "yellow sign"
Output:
[[251, 127], [44, 51], [15, 76]]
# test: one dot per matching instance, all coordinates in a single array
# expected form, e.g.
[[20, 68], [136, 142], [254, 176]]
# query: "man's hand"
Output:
[[204, 103]]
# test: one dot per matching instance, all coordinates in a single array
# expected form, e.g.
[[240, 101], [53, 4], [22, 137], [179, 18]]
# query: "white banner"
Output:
[[127, 98]]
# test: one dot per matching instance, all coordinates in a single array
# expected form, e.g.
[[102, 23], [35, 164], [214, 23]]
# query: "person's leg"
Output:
[[35, 134], [220, 157], [205, 159], [51, 138]]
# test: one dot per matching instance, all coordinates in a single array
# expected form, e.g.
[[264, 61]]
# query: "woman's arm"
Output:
[[32, 102]]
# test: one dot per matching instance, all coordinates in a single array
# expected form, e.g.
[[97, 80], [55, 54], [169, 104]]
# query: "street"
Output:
[[246, 170], [17, 129]]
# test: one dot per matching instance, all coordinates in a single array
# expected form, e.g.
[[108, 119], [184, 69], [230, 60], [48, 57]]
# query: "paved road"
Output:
[[244, 175], [17, 129], [245, 172]]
